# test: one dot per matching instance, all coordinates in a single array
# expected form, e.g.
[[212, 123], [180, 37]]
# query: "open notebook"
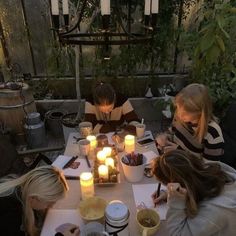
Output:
[[142, 194], [80, 165]]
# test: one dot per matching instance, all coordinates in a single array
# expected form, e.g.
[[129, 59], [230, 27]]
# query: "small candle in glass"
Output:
[[86, 185], [93, 141], [103, 171], [108, 151], [129, 143], [109, 162], [101, 156]]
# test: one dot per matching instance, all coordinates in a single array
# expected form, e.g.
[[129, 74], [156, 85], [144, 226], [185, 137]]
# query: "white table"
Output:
[[122, 191]]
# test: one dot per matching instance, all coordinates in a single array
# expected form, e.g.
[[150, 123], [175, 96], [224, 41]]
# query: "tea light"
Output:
[[129, 143], [93, 141], [103, 171], [86, 184], [101, 156], [109, 162], [108, 151]]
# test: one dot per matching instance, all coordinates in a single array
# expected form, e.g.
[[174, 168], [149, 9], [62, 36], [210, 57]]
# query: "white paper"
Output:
[[143, 193], [150, 155], [56, 217], [62, 160]]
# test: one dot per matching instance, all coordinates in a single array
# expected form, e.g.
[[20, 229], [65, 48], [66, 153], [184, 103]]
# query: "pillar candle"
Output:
[[86, 185], [101, 156], [129, 143], [93, 141], [105, 7], [147, 8], [109, 162], [65, 7], [103, 171], [108, 151], [55, 7], [155, 6]]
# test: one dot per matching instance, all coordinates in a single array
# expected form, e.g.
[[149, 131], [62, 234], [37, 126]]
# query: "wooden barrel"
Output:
[[14, 105]]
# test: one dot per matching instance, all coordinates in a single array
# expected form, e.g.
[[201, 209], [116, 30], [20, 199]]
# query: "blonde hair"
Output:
[[195, 99], [46, 183], [201, 180]]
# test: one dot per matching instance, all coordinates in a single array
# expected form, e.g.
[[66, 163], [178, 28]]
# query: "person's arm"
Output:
[[213, 143], [179, 224], [128, 113]]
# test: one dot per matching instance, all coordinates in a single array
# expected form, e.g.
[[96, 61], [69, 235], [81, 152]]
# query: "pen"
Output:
[[69, 162], [87, 160], [158, 191]]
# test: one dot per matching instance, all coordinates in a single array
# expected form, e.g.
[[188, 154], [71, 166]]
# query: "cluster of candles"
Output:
[[105, 160]]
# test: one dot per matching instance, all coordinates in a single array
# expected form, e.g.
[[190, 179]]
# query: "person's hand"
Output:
[[176, 191], [68, 229], [170, 146], [161, 139], [162, 197]]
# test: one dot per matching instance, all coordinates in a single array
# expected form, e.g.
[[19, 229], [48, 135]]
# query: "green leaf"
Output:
[[220, 42], [220, 22], [207, 41], [212, 55], [233, 10]]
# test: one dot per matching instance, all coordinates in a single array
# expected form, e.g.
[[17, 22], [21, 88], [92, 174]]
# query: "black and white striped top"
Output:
[[212, 146]]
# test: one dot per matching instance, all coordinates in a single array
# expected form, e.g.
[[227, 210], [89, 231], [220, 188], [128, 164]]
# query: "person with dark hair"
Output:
[[201, 194], [109, 111]]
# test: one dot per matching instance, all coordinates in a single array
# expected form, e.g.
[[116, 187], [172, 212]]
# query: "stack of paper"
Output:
[[81, 164], [142, 197]]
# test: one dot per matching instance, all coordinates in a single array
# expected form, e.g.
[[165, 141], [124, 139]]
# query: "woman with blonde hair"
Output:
[[25, 199], [201, 194], [194, 127]]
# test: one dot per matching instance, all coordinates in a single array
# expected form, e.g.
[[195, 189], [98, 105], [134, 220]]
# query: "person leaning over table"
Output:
[[108, 110], [25, 200], [201, 195], [194, 127]]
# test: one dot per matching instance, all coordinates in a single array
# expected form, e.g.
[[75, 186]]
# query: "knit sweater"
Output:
[[215, 217], [122, 113], [211, 147]]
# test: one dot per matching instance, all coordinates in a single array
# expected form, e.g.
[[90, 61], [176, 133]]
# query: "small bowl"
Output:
[[92, 209]]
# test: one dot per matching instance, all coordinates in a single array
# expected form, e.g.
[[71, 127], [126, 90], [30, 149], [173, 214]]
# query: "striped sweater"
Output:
[[212, 146], [122, 113]]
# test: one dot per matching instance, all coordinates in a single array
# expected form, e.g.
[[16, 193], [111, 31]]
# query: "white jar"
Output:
[[117, 219]]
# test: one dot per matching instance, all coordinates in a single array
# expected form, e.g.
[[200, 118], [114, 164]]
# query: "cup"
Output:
[[140, 130], [93, 229], [85, 128], [148, 221], [84, 147]]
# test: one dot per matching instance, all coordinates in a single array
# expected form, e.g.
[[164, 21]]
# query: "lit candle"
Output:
[[105, 7], [55, 7], [93, 141], [65, 7], [86, 184], [147, 8], [155, 6], [108, 151], [109, 162], [101, 156], [129, 143], [103, 171]]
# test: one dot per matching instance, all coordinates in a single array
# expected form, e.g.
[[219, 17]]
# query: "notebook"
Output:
[[80, 165], [142, 194]]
